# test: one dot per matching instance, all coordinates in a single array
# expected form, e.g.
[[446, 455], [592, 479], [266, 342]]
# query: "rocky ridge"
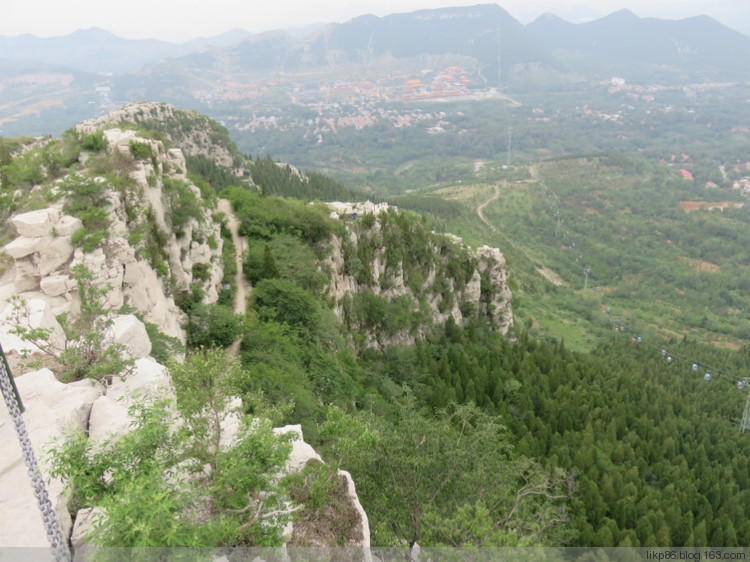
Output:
[[485, 289], [44, 254], [193, 132], [44, 251]]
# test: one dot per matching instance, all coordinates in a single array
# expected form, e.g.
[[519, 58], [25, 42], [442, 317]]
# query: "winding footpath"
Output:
[[480, 208], [547, 273], [242, 286]]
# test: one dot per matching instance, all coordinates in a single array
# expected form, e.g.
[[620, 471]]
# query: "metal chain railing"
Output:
[[15, 407]]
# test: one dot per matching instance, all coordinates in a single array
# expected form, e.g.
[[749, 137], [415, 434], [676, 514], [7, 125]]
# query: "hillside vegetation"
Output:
[[386, 340]]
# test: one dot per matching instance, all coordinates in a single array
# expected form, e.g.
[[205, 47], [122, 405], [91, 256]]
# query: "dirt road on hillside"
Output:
[[547, 273], [481, 207], [242, 286]]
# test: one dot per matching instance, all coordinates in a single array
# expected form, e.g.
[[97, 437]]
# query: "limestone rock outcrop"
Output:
[[442, 297], [109, 413], [35, 314], [44, 252], [302, 453], [51, 409], [198, 139], [44, 245], [131, 333]]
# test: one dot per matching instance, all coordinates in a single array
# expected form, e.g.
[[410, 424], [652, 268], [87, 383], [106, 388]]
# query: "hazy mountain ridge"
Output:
[[99, 51], [483, 45], [693, 41], [486, 32]]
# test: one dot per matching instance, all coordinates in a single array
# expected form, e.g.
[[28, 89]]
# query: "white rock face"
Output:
[[44, 245], [493, 261], [37, 314], [51, 409], [83, 525], [348, 210], [490, 261], [43, 252], [301, 451], [22, 246], [35, 224], [109, 414], [351, 492], [143, 290], [56, 285], [131, 332]]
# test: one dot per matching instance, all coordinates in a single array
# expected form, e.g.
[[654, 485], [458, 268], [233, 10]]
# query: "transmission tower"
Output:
[[745, 423], [510, 144]]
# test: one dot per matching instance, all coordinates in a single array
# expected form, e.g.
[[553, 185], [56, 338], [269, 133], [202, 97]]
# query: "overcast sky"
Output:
[[178, 21]]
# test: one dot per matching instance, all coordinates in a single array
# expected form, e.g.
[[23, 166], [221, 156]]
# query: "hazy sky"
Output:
[[177, 21]]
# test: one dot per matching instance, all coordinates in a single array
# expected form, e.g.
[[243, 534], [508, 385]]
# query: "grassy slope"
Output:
[[656, 267]]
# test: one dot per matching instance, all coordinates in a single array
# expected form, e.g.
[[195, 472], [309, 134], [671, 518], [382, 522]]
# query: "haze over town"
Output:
[[172, 21]]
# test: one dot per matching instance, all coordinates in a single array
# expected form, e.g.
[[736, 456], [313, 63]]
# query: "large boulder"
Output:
[[109, 414], [37, 223], [52, 408], [131, 332], [36, 313]]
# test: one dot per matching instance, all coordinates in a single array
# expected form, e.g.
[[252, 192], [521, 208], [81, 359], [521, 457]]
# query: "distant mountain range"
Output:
[[95, 70], [99, 51], [699, 46], [486, 33]]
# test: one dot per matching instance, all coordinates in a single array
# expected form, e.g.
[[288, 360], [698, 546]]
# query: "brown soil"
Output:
[[701, 265], [690, 206]]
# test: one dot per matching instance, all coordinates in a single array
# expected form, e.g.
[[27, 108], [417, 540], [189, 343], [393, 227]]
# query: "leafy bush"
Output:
[[285, 302], [86, 352], [154, 494], [140, 150], [211, 325], [88, 240], [94, 142], [87, 200], [201, 271], [163, 347], [264, 217], [283, 256], [182, 205]]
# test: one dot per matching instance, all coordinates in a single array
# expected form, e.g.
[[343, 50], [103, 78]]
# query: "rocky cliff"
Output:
[[193, 132], [153, 238], [126, 210], [392, 277]]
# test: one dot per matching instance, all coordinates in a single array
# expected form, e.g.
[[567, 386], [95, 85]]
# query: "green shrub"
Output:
[[140, 150], [88, 240], [152, 498], [163, 347], [285, 302], [211, 325], [182, 205], [94, 142], [201, 271]]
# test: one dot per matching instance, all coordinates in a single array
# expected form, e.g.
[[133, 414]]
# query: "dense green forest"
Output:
[[636, 451]]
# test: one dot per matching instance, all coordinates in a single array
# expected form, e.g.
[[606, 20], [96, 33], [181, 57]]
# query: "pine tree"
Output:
[[270, 271]]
